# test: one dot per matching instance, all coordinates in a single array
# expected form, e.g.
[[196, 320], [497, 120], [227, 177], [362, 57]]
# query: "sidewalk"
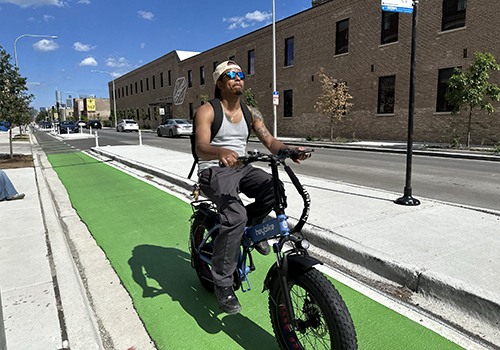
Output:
[[440, 251], [51, 295]]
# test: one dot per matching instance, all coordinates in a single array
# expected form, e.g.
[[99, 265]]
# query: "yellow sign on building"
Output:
[[91, 104]]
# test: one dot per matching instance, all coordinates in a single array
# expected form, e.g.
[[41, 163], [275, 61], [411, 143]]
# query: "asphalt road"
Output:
[[465, 182]]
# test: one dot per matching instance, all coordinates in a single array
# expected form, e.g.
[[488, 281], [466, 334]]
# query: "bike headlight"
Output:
[[304, 244]]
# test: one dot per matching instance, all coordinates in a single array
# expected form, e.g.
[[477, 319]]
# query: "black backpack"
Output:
[[218, 115]]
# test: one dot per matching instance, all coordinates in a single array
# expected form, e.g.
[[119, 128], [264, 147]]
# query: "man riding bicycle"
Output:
[[223, 184]]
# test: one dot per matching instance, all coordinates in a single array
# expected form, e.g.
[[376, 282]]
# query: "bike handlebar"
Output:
[[283, 154]]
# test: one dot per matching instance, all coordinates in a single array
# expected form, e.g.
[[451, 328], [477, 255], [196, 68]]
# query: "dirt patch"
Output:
[[19, 161]]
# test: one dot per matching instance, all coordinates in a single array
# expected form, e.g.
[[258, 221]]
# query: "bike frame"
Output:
[[274, 228]]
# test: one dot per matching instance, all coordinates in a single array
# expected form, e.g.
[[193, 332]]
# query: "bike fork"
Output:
[[282, 264]]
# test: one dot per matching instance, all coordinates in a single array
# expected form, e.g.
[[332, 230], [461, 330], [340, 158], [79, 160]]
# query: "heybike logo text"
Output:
[[262, 231]]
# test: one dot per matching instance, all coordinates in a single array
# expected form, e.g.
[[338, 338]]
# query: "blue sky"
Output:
[[118, 36]]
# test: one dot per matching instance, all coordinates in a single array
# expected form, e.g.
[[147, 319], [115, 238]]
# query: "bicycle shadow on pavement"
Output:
[[170, 268]]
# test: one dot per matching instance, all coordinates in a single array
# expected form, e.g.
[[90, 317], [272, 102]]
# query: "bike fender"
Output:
[[301, 263]]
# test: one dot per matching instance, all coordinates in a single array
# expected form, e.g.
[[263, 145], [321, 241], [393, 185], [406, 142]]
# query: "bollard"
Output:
[[90, 130], [140, 138], [96, 139], [3, 342]]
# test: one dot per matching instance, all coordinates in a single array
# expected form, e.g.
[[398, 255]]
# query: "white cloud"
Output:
[[86, 2], [143, 45], [78, 46], [35, 3], [146, 15], [120, 63], [248, 20], [45, 45], [89, 61], [47, 18]]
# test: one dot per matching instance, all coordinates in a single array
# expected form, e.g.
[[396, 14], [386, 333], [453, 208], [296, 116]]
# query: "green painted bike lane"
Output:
[[144, 233]]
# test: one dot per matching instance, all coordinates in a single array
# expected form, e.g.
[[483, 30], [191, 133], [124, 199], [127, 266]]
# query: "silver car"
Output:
[[175, 127]]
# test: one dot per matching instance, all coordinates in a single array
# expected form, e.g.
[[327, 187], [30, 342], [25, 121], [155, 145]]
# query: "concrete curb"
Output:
[[446, 289]]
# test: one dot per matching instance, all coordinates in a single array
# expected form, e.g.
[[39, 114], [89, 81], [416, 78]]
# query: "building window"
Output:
[[191, 111], [161, 79], [390, 27], [137, 113], [386, 93], [453, 14], [141, 87], [118, 93], [123, 92], [216, 63], [154, 82], [442, 104], [251, 62], [131, 91], [342, 37], [169, 78], [202, 75], [289, 52], [147, 84], [149, 112], [190, 78], [136, 87], [288, 106]]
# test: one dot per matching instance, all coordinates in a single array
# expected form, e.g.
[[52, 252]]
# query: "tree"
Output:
[[469, 90], [333, 101], [250, 98], [131, 113], [14, 97]]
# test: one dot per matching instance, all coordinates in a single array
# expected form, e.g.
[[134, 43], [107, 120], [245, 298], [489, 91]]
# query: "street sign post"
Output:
[[405, 6]]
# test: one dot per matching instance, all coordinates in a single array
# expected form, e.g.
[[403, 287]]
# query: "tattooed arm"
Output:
[[272, 144], [263, 134]]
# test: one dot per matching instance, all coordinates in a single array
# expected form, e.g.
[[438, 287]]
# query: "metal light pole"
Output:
[[407, 198], [32, 35], [275, 108], [114, 93]]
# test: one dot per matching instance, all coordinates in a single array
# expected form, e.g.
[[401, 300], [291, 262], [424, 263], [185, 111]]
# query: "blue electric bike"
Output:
[[307, 312]]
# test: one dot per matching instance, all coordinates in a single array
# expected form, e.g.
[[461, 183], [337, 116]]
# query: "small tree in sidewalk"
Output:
[[14, 97], [334, 99], [469, 89]]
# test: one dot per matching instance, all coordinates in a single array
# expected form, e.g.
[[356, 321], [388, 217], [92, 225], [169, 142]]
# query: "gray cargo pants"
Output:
[[222, 186]]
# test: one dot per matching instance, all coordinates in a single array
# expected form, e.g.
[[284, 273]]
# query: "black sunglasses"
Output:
[[232, 75]]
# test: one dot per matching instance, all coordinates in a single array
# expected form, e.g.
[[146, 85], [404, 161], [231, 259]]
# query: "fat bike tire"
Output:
[[199, 230], [324, 322]]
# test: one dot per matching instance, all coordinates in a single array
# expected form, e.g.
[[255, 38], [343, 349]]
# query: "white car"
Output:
[[127, 125], [175, 127]]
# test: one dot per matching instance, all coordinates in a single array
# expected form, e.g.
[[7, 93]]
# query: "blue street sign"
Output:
[[404, 6]]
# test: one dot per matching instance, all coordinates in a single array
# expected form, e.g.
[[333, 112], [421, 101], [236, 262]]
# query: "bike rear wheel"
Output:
[[323, 320], [200, 227]]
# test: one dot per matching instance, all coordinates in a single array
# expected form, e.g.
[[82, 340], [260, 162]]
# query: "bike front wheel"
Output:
[[323, 320]]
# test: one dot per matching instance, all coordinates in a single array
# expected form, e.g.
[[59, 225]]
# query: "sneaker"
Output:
[[262, 247], [228, 302], [16, 196]]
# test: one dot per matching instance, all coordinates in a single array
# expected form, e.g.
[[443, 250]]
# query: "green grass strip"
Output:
[[144, 233]]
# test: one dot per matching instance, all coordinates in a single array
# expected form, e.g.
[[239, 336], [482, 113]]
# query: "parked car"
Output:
[[68, 127], [4, 126], [175, 127], [127, 125], [94, 124], [81, 123]]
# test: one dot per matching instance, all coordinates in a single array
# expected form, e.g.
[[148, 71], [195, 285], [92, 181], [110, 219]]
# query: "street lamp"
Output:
[[114, 97], [32, 35]]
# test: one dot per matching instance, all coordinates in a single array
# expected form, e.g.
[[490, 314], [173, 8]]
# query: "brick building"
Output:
[[354, 41]]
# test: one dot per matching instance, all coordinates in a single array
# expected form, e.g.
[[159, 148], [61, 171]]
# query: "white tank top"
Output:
[[230, 136]]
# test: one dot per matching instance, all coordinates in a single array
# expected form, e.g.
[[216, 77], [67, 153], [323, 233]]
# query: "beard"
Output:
[[239, 92]]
